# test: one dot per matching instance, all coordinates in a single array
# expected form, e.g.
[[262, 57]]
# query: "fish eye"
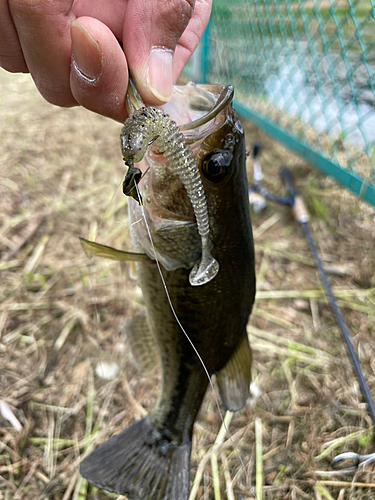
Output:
[[215, 165]]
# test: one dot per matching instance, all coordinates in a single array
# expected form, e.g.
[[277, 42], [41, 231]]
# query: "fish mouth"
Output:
[[207, 98], [225, 97], [195, 106], [199, 111]]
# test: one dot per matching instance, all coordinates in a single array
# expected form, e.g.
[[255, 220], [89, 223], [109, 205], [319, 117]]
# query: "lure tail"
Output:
[[141, 464]]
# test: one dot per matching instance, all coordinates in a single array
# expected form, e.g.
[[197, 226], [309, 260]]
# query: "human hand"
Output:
[[81, 51]]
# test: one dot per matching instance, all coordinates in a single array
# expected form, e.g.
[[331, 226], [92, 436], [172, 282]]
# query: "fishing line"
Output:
[[101, 221], [108, 205], [182, 328], [170, 301], [129, 225], [222, 419], [91, 277]]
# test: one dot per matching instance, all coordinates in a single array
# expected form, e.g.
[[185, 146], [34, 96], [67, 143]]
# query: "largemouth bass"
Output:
[[150, 460]]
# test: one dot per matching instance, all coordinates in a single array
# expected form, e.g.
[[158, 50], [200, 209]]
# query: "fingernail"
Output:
[[160, 73], [86, 53]]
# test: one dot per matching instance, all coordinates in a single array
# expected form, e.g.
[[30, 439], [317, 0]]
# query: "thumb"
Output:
[[152, 29]]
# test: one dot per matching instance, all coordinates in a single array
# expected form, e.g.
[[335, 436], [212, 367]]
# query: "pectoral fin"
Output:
[[91, 248], [142, 343], [234, 379]]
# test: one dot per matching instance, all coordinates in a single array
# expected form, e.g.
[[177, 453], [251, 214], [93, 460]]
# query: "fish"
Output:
[[151, 458]]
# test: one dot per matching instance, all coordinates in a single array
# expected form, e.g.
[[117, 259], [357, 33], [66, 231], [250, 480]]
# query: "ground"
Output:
[[61, 315]]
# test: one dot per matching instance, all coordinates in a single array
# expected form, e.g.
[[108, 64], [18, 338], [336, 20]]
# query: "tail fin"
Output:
[[140, 464]]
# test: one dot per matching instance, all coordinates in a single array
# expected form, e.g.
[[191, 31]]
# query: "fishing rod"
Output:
[[295, 201], [258, 194], [302, 216]]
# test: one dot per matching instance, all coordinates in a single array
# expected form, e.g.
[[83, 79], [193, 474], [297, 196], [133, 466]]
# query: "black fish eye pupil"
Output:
[[213, 167]]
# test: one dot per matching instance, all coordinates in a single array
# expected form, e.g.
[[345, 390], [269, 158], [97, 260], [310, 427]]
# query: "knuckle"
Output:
[[175, 14]]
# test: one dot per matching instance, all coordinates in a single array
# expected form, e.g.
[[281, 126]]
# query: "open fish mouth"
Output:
[[198, 112], [198, 106]]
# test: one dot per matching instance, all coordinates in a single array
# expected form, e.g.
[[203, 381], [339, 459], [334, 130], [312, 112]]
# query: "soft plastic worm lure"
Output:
[[148, 125]]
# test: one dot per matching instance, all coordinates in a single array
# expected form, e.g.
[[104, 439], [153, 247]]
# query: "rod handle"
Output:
[[300, 210]]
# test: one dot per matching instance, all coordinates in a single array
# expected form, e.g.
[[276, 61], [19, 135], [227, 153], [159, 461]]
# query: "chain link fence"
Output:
[[303, 70]]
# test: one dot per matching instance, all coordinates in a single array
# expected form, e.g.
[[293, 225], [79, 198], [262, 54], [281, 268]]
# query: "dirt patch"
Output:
[[62, 314]]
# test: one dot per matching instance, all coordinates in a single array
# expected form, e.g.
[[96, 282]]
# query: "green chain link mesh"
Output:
[[305, 68]]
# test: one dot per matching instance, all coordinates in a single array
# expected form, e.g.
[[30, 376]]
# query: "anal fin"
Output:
[[142, 343], [234, 379]]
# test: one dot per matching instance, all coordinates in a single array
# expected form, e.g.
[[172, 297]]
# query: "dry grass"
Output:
[[61, 315]]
